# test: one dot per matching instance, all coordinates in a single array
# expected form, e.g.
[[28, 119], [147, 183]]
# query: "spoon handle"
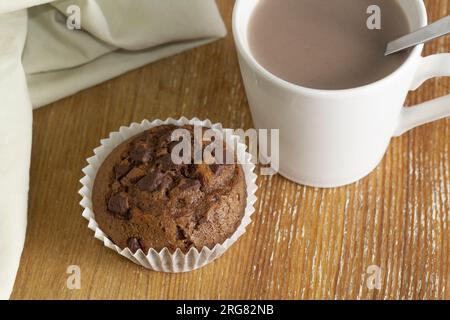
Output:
[[430, 32]]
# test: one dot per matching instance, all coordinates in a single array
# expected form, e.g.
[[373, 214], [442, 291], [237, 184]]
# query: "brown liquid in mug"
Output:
[[326, 44]]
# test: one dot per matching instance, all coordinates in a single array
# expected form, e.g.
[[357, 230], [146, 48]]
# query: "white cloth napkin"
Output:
[[41, 60]]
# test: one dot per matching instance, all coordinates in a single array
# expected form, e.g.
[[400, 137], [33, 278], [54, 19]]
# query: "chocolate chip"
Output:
[[190, 185], [216, 168], [189, 171], [151, 181], [122, 169], [166, 182], [134, 245], [133, 176], [141, 154], [181, 235], [166, 136], [118, 203], [166, 163]]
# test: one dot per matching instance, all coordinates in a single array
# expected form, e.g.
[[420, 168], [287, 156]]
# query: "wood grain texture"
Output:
[[304, 243]]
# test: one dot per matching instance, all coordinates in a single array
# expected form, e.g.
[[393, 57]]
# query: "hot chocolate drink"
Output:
[[325, 44]]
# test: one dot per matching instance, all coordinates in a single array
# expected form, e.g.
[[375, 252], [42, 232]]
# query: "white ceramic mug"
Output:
[[330, 138]]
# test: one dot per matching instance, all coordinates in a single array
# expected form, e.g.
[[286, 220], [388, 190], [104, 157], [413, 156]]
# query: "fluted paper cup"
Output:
[[165, 260]]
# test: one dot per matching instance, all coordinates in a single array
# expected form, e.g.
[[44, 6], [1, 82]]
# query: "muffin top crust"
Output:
[[143, 200]]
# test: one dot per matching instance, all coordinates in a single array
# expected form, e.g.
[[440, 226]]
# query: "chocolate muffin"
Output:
[[142, 200]]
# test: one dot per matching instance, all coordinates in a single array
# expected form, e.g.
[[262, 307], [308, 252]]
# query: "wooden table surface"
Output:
[[304, 243]]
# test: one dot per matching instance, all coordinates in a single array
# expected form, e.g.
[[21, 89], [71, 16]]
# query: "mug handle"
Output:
[[437, 65]]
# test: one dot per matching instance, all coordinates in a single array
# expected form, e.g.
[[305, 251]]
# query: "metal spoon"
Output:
[[430, 32]]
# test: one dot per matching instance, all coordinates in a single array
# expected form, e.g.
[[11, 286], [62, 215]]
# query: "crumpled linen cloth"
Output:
[[42, 60]]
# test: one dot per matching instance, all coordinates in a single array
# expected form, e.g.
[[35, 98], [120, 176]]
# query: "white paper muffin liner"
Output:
[[164, 260]]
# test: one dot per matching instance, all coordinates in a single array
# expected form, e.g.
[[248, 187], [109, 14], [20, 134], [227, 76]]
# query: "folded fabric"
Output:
[[47, 61], [15, 5], [15, 146]]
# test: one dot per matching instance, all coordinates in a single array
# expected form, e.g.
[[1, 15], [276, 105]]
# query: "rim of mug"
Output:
[[248, 56]]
